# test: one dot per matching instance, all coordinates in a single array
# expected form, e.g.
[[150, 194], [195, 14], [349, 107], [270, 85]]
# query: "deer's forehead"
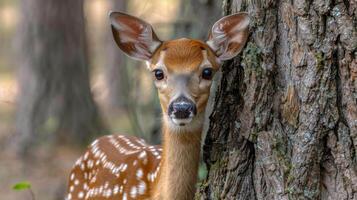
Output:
[[184, 55]]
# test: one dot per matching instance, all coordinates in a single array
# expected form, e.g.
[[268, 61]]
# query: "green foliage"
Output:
[[24, 185], [202, 172]]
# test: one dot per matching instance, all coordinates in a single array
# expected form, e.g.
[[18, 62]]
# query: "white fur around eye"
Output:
[[160, 84], [205, 62], [148, 64], [204, 83]]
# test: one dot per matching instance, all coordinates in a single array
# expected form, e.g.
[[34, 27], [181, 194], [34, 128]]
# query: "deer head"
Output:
[[182, 69]]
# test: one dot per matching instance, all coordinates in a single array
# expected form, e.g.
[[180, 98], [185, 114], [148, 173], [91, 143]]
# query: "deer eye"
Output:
[[207, 73], [159, 74]]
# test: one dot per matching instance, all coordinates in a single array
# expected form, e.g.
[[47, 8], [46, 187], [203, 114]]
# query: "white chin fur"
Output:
[[181, 122], [190, 125]]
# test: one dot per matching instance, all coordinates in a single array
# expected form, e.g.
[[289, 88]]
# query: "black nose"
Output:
[[182, 108]]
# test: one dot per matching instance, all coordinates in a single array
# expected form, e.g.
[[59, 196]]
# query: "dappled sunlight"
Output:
[[8, 17], [8, 94], [8, 89]]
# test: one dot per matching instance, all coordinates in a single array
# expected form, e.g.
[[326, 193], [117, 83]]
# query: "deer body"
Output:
[[124, 167]]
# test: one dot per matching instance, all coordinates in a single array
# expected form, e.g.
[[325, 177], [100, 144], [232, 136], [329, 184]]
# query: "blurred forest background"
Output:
[[64, 82], [283, 121]]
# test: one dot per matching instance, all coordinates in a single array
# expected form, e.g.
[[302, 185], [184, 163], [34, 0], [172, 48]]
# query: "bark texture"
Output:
[[55, 100], [284, 120]]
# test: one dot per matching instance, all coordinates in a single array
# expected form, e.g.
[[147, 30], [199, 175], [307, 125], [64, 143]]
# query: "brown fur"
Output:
[[177, 178], [184, 54]]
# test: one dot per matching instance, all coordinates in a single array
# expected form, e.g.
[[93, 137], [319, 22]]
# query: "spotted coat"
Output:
[[103, 171]]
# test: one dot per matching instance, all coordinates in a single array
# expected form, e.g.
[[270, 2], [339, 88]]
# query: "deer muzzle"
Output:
[[182, 110]]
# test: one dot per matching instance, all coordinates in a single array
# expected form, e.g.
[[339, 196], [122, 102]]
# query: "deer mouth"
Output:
[[181, 122]]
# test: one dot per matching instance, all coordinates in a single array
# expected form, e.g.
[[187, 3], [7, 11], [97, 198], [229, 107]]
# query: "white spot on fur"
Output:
[[86, 156], [116, 189], [142, 155], [141, 187], [80, 195], [139, 173], [133, 192]]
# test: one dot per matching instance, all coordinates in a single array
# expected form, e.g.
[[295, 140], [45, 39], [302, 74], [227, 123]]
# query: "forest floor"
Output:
[[47, 170]]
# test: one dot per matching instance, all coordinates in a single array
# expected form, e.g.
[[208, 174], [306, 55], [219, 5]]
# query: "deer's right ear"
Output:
[[229, 35], [134, 36]]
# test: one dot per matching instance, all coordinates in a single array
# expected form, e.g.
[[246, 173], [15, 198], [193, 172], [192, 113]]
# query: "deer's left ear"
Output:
[[229, 35], [134, 36]]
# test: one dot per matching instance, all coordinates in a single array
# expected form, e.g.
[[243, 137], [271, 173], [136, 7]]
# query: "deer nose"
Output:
[[182, 108]]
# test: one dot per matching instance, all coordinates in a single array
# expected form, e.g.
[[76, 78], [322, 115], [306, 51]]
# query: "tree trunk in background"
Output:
[[119, 78], [115, 64], [205, 14], [284, 123], [55, 100], [196, 17]]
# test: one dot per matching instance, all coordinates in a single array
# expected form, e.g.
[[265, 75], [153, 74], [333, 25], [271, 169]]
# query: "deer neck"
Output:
[[180, 160]]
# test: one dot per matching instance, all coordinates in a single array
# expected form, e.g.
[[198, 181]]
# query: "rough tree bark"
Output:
[[284, 123], [55, 100]]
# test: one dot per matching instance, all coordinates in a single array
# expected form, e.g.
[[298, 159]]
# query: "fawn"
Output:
[[126, 167]]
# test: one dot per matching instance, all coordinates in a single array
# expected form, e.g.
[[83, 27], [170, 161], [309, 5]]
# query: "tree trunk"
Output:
[[115, 66], [284, 120], [205, 13], [55, 100], [196, 16]]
